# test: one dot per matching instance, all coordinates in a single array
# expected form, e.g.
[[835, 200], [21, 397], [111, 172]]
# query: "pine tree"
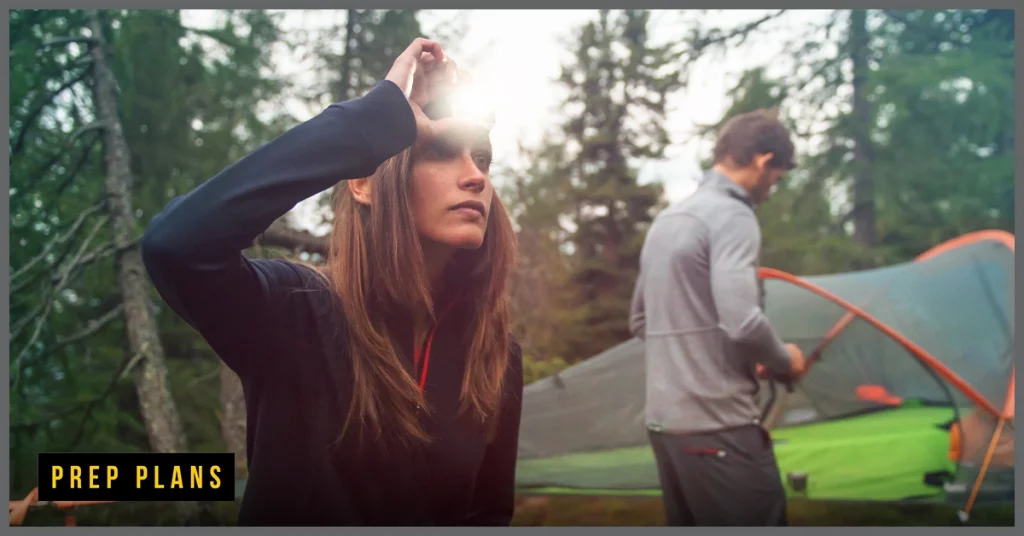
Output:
[[617, 86]]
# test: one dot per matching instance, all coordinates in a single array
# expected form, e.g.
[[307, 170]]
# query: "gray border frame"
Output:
[[447, 4]]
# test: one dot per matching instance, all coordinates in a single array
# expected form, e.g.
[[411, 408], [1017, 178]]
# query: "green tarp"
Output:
[[882, 456]]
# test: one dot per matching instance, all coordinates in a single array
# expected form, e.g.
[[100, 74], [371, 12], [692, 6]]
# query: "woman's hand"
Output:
[[423, 72]]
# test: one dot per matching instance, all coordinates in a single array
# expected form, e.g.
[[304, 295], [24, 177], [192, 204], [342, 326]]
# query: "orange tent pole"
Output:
[[965, 514], [1008, 414], [18, 509], [914, 349], [996, 235], [1002, 237]]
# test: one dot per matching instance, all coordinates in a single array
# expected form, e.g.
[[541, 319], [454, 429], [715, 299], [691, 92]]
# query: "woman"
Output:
[[385, 391]]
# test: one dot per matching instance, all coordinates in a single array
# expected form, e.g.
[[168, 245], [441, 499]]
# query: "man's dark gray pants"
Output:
[[728, 477]]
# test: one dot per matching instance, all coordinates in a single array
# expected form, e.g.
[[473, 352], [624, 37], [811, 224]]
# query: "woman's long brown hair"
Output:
[[376, 269]]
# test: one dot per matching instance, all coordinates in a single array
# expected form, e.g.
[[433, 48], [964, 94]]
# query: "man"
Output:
[[697, 306]]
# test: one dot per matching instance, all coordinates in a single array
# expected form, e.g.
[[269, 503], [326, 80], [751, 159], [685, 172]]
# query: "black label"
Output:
[[106, 476]]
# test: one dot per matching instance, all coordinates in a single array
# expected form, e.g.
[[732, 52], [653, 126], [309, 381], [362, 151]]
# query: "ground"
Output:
[[647, 511], [578, 511]]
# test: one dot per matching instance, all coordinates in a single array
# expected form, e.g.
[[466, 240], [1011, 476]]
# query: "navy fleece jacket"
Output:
[[275, 324]]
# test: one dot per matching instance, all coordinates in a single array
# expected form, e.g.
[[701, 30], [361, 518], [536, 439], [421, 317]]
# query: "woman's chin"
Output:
[[470, 239], [473, 243], [464, 235]]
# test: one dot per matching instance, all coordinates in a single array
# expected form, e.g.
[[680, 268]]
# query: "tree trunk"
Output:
[[863, 188], [232, 419], [159, 412], [345, 77]]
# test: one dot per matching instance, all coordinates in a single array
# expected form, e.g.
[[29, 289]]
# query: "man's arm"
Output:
[[637, 319], [734, 286]]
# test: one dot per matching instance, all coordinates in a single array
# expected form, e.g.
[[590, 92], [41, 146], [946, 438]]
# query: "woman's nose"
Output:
[[471, 177]]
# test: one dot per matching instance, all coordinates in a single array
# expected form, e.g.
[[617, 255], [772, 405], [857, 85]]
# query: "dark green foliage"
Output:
[[185, 115], [940, 90]]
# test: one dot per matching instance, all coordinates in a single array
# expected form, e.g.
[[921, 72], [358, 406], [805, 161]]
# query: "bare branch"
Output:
[[93, 327], [212, 34], [279, 235], [80, 61], [58, 41], [41, 172], [104, 251], [61, 280], [106, 392], [40, 320], [30, 119], [205, 377], [57, 241], [78, 165], [716, 37], [121, 373], [98, 253], [31, 280]]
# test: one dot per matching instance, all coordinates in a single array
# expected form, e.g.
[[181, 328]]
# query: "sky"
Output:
[[518, 53]]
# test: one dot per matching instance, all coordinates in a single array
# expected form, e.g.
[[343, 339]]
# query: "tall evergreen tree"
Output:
[[896, 108], [617, 85]]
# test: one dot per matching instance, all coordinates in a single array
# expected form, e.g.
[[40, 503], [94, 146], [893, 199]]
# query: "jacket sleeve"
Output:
[[494, 495], [193, 248], [734, 286]]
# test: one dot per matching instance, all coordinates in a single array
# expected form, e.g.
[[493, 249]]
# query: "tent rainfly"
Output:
[[909, 394]]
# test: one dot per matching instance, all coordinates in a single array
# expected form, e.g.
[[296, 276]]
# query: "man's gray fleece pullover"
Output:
[[696, 305]]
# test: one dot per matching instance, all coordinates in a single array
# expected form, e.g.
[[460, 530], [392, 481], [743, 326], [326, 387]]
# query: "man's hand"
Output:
[[797, 366], [797, 363], [423, 72]]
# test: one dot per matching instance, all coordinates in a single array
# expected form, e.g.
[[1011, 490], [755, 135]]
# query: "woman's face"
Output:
[[450, 186]]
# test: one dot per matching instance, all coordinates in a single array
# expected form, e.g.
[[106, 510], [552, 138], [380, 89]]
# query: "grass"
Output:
[[648, 511]]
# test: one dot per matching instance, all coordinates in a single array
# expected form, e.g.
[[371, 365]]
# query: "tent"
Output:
[[909, 395]]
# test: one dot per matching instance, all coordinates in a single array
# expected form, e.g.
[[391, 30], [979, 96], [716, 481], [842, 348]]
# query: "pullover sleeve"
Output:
[[192, 249]]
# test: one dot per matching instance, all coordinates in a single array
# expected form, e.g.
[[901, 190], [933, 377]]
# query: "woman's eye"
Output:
[[483, 160], [437, 151]]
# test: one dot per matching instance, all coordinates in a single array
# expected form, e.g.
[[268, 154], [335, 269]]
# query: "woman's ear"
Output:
[[360, 189]]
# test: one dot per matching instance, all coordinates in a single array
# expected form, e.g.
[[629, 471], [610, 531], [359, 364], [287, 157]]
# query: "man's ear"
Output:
[[761, 160], [360, 189]]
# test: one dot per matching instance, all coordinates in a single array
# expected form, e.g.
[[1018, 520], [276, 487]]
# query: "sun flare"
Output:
[[473, 100]]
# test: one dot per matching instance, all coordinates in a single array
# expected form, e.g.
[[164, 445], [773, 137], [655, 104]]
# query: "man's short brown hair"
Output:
[[759, 132]]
